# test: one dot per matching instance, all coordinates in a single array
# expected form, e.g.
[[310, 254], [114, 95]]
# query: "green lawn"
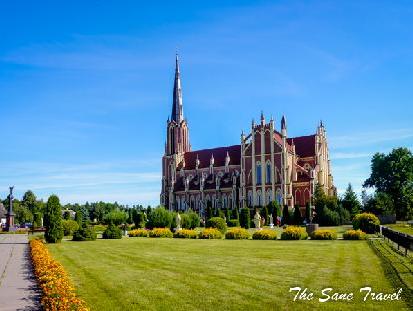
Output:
[[401, 227], [173, 274]]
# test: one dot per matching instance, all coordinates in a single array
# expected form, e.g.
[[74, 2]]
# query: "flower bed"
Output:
[[185, 234], [160, 233], [237, 234], [138, 233], [210, 233], [294, 233], [324, 234], [354, 235], [58, 292], [265, 234]]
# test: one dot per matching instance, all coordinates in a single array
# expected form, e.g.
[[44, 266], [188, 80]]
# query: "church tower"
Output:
[[177, 141]]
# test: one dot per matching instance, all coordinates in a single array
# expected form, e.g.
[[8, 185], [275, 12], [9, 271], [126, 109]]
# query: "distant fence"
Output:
[[401, 239]]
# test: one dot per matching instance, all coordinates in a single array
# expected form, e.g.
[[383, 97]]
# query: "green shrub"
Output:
[[244, 218], [84, 233], [218, 223], [69, 226], [297, 219], [286, 216], [265, 234], [237, 234], [233, 223], [160, 233], [116, 217], [112, 232], [185, 234], [139, 218], [294, 233], [138, 233], [324, 234], [329, 217], [53, 220], [194, 219], [366, 222], [210, 233], [159, 218], [354, 235]]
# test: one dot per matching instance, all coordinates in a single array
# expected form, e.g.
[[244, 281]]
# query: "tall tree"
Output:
[[29, 201], [393, 174], [53, 220], [350, 201]]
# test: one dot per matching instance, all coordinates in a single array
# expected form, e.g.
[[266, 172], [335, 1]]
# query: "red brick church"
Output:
[[267, 165]]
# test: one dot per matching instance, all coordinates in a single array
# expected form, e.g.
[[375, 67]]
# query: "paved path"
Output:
[[18, 288]]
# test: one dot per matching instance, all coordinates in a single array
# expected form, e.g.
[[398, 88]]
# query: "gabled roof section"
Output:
[[304, 145], [219, 154]]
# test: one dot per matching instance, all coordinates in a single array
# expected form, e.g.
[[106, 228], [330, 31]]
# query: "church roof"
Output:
[[304, 145], [219, 154]]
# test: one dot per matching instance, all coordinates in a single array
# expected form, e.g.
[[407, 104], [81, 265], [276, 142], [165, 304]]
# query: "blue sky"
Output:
[[86, 87]]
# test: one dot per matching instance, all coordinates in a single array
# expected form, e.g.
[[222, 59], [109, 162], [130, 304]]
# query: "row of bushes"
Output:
[[58, 292], [290, 233]]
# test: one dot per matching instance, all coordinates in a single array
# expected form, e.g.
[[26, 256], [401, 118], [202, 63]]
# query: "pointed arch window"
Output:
[[258, 173], [268, 173]]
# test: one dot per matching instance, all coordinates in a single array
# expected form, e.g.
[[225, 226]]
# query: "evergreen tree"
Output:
[[53, 220], [235, 214], [350, 201], [286, 216], [79, 218], [244, 218], [297, 215]]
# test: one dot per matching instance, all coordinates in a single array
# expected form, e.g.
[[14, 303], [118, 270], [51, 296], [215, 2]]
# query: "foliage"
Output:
[[366, 222], [191, 221], [308, 212], [209, 212], [29, 201], [159, 218], [354, 235], [237, 234], [324, 234], [138, 233], [218, 223], [185, 234], [298, 220], [112, 232], [37, 219], [84, 233], [264, 213], [265, 234], [139, 218], [350, 201], [116, 217], [69, 227], [328, 217], [294, 233], [233, 223], [210, 233], [393, 174], [79, 218], [235, 214], [286, 216], [244, 218], [22, 215], [160, 233], [58, 292], [379, 204], [53, 220]]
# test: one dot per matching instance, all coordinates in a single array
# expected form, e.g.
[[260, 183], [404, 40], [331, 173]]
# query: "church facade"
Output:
[[266, 165]]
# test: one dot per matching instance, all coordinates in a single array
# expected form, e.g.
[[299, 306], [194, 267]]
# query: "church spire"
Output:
[[177, 114]]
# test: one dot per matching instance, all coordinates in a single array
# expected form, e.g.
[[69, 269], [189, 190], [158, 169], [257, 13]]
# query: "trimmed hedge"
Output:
[[324, 234], [294, 233], [265, 234], [210, 233], [366, 222], [218, 223], [237, 234], [143, 233], [185, 234], [354, 235], [160, 233]]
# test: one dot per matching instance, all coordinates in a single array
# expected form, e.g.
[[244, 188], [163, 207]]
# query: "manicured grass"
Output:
[[402, 227], [174, 274]]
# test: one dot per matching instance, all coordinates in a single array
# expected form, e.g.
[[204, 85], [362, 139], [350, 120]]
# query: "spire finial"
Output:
[[262, 118], [177, 114], [283, 123]]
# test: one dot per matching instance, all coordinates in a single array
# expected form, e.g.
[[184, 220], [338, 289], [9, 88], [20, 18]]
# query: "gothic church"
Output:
[[267, 165]]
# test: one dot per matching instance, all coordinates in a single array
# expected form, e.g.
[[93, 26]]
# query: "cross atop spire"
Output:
[[177, 114]]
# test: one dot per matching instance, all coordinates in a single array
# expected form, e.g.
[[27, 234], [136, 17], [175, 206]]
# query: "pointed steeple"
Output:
[[283, 123], [177, 114]]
